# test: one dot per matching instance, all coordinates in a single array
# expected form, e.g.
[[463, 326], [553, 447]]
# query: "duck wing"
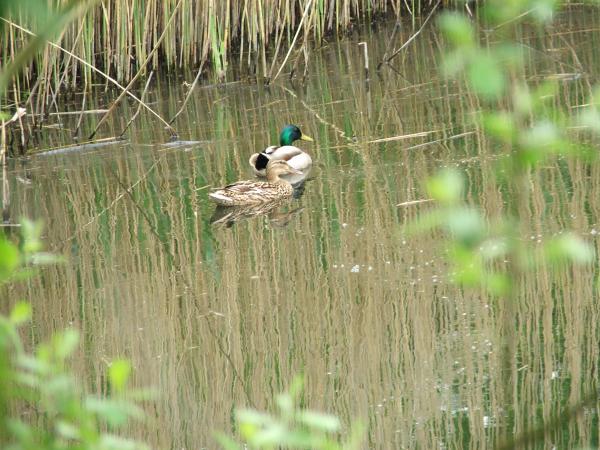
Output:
[[247, 187], [285, 152]]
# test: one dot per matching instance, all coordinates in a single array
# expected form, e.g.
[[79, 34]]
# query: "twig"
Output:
[[456, 136], [19, 116], [404, 136], [189, 94], [66, 148], [513, 19], [412, 38], [68, 61], [304, 14], [137, 75], [366, 58], [16, 116], [139, 106], [390, 42], [30, 99], [143, 212], [415, 202], [277, 48], [337, 129], [5, 185], [126, 191], [79, 120], [76, 113], [93, 68]]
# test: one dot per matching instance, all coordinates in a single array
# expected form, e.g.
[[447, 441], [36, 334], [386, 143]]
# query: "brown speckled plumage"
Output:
[[252, 192]]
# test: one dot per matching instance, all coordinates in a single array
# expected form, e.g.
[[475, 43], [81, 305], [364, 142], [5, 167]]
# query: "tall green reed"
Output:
[[116, 36]]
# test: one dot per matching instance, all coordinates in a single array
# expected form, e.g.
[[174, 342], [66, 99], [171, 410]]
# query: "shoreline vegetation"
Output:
[[119, 44], [117, 37]]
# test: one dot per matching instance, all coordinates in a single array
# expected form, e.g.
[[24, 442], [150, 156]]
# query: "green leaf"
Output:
[[446, 186], [226, 442], [486, 76], [9, 259], [271, 436], [67, 430], [590, 118], [65, 343], [458, 29], [539, 141], [320, 421], [493, 249], [44, 259], [33, 364], [522, 99], [500, 125], [454, 62], [118, 374], [543, 10], [112, 442], [250, 416], [20, 313], [569, 248], [498, 283], [20, 431], [285, 403], [296, 387], [466, 226], [31, 232], [545, 92], [356, 436], [510, 55], [114, 412]]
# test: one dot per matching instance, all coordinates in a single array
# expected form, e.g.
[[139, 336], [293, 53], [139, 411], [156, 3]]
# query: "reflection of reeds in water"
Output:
[[216, 318]]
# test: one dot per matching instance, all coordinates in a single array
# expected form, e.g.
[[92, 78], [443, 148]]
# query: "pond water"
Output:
[[220, 316]]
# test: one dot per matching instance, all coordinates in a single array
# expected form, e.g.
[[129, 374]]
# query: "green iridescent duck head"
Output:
[[291, 133]]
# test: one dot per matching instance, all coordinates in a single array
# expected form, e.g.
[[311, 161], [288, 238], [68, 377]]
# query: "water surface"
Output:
[[329, 285]]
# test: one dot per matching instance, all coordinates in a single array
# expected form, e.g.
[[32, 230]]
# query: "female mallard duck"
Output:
[[286, 151], [252, 192]]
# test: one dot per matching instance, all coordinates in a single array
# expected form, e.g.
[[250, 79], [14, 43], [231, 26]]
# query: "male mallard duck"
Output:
[[252, 192], [286, 151]]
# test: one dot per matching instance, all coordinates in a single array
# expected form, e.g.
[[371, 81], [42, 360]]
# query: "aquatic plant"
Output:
[[494, 253], [42, 403], [292, 427]]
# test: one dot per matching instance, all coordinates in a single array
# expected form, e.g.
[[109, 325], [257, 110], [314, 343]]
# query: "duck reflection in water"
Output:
[[278, 213]]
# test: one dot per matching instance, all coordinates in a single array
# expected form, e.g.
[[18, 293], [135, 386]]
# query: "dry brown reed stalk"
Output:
[[119, 35], [138, 74], [115, 40], [81, 112], [188, 95], [302, 20], [387, 59], [137, 111], [5, 184], [415, 202], [88, 65]]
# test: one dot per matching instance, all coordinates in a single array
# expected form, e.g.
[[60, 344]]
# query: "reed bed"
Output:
[[114, 43], [116, 36]]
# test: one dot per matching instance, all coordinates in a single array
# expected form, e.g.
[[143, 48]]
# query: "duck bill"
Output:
[[307, 138], [295, 171]]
